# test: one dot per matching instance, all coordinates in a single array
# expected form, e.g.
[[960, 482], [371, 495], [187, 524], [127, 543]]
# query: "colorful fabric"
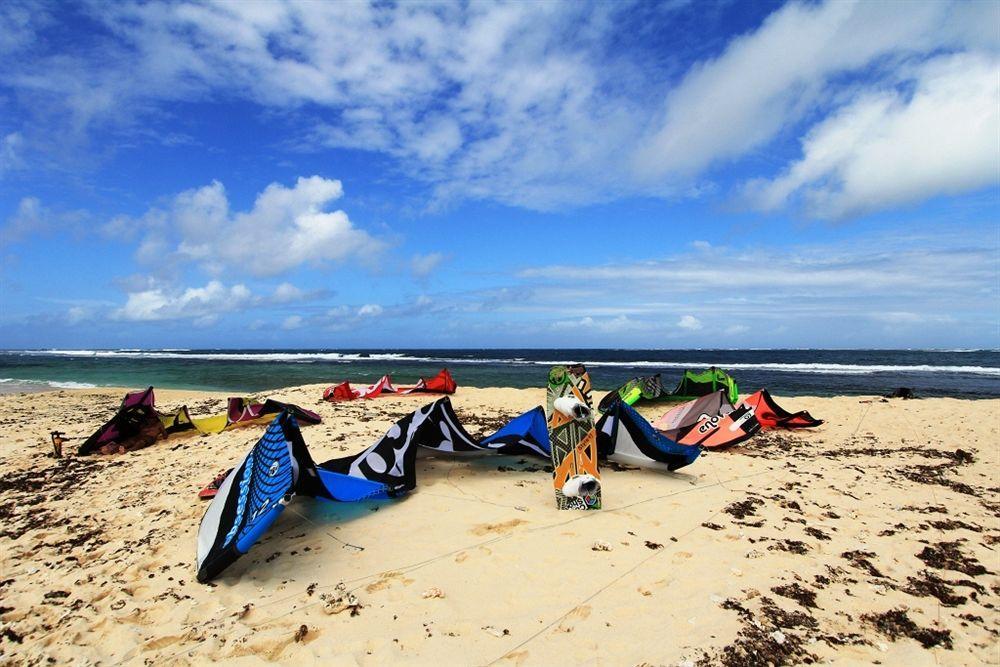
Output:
[[772, 415], [709, 421], [138, 423], [279, 467], [442, 383], [624, 436]]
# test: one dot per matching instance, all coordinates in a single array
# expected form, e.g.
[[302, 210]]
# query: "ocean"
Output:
[[958, 373]]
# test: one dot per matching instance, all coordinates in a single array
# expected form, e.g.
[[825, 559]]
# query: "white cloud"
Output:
[[769, 79], [423, 265], [287, 292], [689, 322], [292, 322], [541, 105], [370, 310], [285, 229], [830, 294], [33, 218], [77, 314], [195, 303], [10, 156], [885, 149], [589, 325]]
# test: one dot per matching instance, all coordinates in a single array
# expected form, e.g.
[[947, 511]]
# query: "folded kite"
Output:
[[442, 383], [279, 466], [772, 415], [647, 388], [624, 436], [691, 385], [709, 421], [138, 423]]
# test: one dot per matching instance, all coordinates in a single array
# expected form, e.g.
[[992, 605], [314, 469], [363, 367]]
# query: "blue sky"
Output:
[[618, 174]]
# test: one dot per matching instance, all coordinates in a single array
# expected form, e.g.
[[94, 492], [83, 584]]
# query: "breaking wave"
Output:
[[351, 357]]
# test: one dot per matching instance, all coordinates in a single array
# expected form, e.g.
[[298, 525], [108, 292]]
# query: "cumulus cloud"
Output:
[[891, 148], [195, 303], [689, 322], [370, 310], [31, 217], [285, 229], [287, 292], [540, 105], [604, 325]]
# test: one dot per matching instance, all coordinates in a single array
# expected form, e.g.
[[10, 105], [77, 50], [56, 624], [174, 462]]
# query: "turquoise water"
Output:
[[964, 373]]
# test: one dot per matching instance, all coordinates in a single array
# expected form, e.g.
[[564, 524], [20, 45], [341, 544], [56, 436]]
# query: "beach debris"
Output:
[[340, 600], [301, 633], [949, 556], [896, 623], [653, 545], [432, 592], [242, 613], [600, 545], [901, 392], [496, 632]]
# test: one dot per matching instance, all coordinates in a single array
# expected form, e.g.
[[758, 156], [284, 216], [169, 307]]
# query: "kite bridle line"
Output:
[[500, 538], [647, 558]]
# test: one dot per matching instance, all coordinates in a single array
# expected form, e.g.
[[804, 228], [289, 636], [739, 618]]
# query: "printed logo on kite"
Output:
[[742, 419], [709, 423]]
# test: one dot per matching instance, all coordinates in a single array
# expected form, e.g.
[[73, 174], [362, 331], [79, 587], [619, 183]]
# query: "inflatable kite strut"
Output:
[[279, 467]]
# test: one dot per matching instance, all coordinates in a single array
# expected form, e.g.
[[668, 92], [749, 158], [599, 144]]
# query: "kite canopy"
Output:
[[709, 421], [279, 467], [442, 383], [640, 388], [772, 415], [624, 436], [691, 385], [138, 423], [694, 384]]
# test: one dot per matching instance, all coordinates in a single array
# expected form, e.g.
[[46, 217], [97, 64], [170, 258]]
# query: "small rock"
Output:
[[433, 592], [301, 633], [600, 545], [778, 636]]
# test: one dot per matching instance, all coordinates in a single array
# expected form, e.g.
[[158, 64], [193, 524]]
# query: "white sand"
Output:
[[101, 570]]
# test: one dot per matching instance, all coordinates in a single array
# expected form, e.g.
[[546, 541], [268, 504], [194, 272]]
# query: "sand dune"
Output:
[[872, 538]]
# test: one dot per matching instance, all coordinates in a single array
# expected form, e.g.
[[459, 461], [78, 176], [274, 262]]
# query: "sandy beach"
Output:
[[872, 539]]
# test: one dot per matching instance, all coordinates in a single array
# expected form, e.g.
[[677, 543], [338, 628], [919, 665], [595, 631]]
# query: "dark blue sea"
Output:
[[959, 373]]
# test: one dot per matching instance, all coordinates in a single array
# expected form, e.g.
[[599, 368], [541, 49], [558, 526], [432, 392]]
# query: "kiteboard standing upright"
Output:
[[573, 439]]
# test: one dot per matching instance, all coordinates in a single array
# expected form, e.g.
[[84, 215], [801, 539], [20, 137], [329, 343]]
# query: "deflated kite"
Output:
[[138, 423], [772, 415], [442, 383], [279, 466], [624, 436], [709, 421]]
